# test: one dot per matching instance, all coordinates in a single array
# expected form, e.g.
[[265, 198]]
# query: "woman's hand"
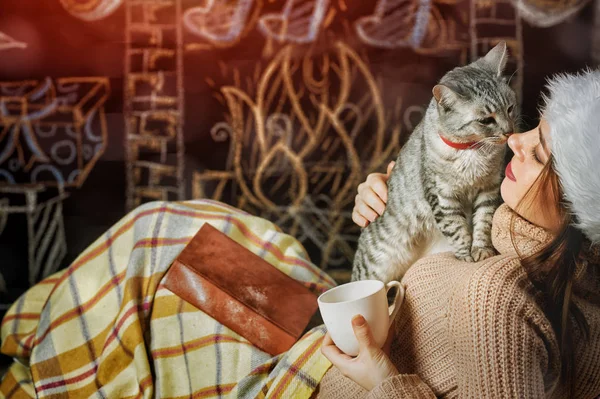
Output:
[[371, 198], [371, 366]]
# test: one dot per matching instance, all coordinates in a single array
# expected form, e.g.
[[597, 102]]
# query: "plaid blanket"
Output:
[[106, 327]]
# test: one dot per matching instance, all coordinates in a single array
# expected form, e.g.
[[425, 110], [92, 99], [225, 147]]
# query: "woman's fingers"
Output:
[[365, 211], [387, 347], [371, 198], [370, 367], [358, 219], [376, 197], [390, 167], [363, 333], [376, 183], [332, 352]]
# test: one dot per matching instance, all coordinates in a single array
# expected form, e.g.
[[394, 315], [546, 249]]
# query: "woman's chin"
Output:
[[507, 193]]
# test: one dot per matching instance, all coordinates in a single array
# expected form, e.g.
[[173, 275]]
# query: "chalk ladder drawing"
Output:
[[154, 101], [299, 22]]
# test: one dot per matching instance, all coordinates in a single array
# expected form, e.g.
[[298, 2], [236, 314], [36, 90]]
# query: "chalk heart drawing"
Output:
[[416, 24], [299, 22], [395, 23], [219, 22], [91, 10]]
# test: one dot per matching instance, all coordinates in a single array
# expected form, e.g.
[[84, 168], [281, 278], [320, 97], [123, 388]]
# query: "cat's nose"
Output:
[[505, 137]]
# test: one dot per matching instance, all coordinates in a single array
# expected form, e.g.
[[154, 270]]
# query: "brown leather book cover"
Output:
[[241, 290]]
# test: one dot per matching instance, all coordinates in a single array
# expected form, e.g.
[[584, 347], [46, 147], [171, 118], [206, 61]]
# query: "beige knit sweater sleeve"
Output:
[[500, 339], [500, 344], [402, 386], [336, 385], [504, 346]]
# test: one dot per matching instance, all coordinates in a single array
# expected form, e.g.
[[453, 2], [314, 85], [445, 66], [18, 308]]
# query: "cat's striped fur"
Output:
[[436, 188]]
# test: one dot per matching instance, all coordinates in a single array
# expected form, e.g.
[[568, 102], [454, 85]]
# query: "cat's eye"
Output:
[[510, 109], [487, 121]]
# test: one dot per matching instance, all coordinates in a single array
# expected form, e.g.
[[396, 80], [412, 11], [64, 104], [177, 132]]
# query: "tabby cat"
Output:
[[447, 176]]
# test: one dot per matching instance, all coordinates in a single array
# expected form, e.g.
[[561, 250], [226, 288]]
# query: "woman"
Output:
[[522, 324]]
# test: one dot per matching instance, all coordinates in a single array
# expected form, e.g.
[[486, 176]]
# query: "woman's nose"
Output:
[[514, 142]]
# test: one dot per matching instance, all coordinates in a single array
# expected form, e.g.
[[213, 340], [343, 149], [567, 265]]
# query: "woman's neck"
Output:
[[511, 233]]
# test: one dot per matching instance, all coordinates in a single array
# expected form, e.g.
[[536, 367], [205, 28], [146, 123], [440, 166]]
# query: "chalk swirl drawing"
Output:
[[297, 153]]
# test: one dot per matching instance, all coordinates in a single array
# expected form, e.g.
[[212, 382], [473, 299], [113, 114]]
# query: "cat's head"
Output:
[[475, 102]]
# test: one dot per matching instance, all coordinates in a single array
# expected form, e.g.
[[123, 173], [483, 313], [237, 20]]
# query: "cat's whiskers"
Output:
[[519, 121], [478, 159], [489, 140], [511, 76]]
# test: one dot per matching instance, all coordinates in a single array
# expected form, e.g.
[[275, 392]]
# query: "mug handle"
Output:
[[395, 307]]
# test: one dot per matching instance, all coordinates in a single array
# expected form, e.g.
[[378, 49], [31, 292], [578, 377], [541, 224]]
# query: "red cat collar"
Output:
[[460, 146]]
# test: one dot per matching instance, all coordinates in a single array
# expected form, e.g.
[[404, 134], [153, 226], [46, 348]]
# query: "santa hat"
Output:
[[572, 110]]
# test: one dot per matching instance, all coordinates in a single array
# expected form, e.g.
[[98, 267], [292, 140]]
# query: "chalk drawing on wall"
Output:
[[506, 21], [91, 10], [299, 22], [222, 23], [7, 42], [415, 24], [395, 23], [43, 211], [297, 152], [543, 13], [153, 101], [52, 131]]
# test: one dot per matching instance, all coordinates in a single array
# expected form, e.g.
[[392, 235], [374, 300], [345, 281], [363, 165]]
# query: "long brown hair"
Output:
[[552, 270]]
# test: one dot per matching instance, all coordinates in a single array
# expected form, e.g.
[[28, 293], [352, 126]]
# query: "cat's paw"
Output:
[[481, 253], [464, 256]]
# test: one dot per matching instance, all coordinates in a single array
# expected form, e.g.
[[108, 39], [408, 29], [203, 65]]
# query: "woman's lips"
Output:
[[509, 172]]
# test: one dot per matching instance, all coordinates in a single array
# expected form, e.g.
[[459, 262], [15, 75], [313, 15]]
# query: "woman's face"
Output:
[[532, 150]]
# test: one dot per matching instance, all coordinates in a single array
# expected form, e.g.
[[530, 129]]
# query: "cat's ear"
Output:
[[445, 96], [496, 58]]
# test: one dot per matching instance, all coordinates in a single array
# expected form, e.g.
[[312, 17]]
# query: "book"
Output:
[[242, 291]]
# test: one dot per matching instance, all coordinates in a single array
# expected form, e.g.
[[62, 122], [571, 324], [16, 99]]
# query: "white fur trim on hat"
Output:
[[572, 110]]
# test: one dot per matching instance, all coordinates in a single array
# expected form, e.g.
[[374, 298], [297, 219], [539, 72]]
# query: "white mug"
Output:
[[368, 298]]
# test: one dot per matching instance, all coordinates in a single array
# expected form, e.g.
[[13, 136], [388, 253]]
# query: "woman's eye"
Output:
[[487, 121], [535, 156]]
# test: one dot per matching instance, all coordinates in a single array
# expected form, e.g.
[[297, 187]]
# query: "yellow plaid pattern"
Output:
[[105, 327]]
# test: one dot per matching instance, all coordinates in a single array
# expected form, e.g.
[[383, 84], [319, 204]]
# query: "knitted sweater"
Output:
[[474, 330]]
